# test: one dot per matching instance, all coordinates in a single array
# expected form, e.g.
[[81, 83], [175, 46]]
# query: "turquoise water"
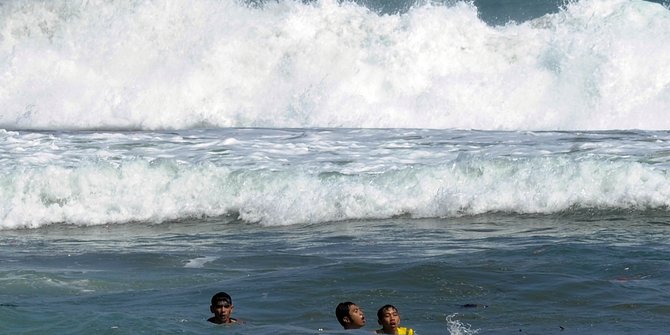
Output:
[[529, 274]]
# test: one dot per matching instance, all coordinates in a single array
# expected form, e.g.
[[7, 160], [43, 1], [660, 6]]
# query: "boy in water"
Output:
[[222, 308], [389, 318], [349, 315]]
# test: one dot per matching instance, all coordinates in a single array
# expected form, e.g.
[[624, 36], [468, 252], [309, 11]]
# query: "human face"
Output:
[[356, 317], [222, 311], [390, 321]]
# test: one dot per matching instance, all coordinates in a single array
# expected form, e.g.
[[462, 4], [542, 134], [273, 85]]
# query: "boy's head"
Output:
[[222, 307], [389, 318], [349, 315]]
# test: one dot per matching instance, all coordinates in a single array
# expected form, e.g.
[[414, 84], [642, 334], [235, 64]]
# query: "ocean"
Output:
[[488, 167]]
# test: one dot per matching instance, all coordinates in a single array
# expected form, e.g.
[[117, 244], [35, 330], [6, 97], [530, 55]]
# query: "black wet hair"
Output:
[[342, 310], [221, 296]]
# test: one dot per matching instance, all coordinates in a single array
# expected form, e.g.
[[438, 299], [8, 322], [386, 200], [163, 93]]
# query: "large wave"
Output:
[[141, 64]]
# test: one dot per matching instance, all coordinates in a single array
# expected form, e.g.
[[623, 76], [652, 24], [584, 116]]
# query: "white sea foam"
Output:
[[281, 176], [156, 192], [597, 64], [199, 262]]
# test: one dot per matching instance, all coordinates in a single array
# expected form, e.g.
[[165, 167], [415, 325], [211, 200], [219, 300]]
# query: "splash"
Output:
[[174, 65], [457, 327]]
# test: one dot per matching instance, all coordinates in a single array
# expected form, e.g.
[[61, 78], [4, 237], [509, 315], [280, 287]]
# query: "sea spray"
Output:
[[169, 65]]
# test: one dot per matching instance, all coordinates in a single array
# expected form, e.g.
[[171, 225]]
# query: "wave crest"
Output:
[[168, 65]]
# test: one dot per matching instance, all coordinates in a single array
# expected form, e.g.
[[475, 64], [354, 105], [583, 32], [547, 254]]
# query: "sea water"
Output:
[[487, 167]]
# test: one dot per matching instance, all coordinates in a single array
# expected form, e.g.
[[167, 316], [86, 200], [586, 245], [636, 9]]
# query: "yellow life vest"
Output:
[[405, 331]]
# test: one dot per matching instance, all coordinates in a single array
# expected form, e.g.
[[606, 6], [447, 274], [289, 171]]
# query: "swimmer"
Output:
[[389, 318], [222, 308], [349, 315]]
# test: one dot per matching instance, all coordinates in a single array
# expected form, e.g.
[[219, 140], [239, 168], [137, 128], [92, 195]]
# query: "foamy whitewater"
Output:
[[152, 65], [290, 176], [491, 166]]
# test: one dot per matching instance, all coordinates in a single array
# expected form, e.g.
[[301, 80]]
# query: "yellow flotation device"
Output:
[[405, 331]]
